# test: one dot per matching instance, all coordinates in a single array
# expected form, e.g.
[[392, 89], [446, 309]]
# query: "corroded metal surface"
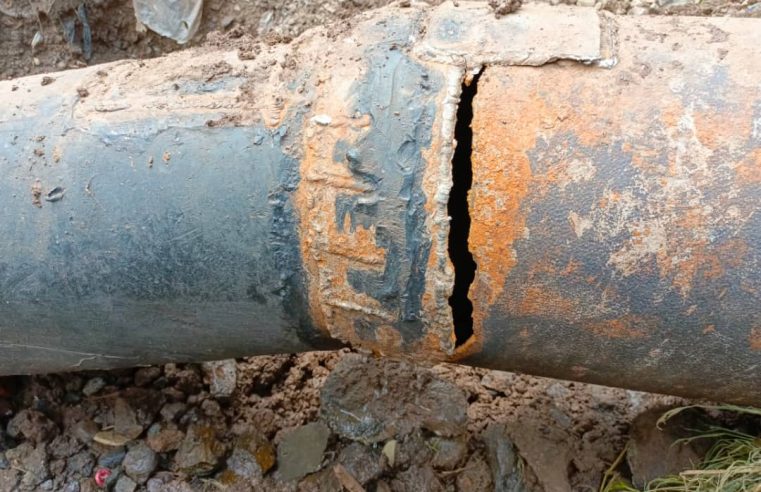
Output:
[[297, 197], [615, 220]]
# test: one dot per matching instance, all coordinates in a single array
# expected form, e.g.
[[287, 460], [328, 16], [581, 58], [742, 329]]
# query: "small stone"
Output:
[[498, 381], [413, 450], [81, 464], [361, 462], [146, 375], [259, 447], [211, 409], [188, 381], [125, 484], [34, 462], [140, 462], [322, 481], [32, 425], [476, 475], [300, 450], [4, 463], [448, 452], [503, 459], [655, 452], [93, 386], [243, 464], [417, 478], [171, 411], [163, 440], [47, 485], [9, 479], [72, 487], [63, 446], [84, 430], [222, 377], [373, 400], [112, 459], [200, 451], [154, 485], [125, 420]]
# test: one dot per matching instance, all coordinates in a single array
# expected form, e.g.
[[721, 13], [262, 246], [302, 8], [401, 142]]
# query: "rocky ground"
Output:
[[319, 421], [311, 422]]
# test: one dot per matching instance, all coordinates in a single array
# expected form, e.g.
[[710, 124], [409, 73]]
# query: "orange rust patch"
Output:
[[545, 303], [625, 327], [754, 339], [749, 170]]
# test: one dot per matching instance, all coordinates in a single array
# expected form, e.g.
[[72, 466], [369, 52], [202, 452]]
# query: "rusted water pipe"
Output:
[[210, 204]]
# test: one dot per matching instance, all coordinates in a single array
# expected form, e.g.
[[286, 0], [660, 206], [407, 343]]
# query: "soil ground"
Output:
[[191, 425]]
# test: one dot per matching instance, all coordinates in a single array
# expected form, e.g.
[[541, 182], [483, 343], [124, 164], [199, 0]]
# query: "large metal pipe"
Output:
[[208, 205]]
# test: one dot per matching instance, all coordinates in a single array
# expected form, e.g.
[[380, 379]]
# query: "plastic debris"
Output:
[[175, 19]]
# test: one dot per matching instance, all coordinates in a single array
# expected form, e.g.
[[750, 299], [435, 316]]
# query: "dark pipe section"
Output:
[[457, 207]]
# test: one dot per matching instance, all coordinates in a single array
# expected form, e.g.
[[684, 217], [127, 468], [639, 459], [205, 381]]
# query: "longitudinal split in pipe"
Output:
[[457, 207]]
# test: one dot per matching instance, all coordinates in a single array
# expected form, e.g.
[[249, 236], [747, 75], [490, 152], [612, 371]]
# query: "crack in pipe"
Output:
[[457, 208]]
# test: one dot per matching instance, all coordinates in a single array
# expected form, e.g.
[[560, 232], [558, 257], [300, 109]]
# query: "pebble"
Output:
[[146, 375], [81, 463], [171, 411], [125, 484], [654, 452], [361, 462], [125, 420], [200, 451], [243, 464], [503, 459], [93, 385], [373, 400], [112, 459], [85, 430], [32, 425], [300, 450], [259, 447], [140, 462], [4, 463], [72, 487], [449, 453], [476, 475], [417, 478], [162, 440], [222, 376], [498, 381]]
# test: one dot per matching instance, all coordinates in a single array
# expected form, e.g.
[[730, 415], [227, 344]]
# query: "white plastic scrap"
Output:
[[175, 19]]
